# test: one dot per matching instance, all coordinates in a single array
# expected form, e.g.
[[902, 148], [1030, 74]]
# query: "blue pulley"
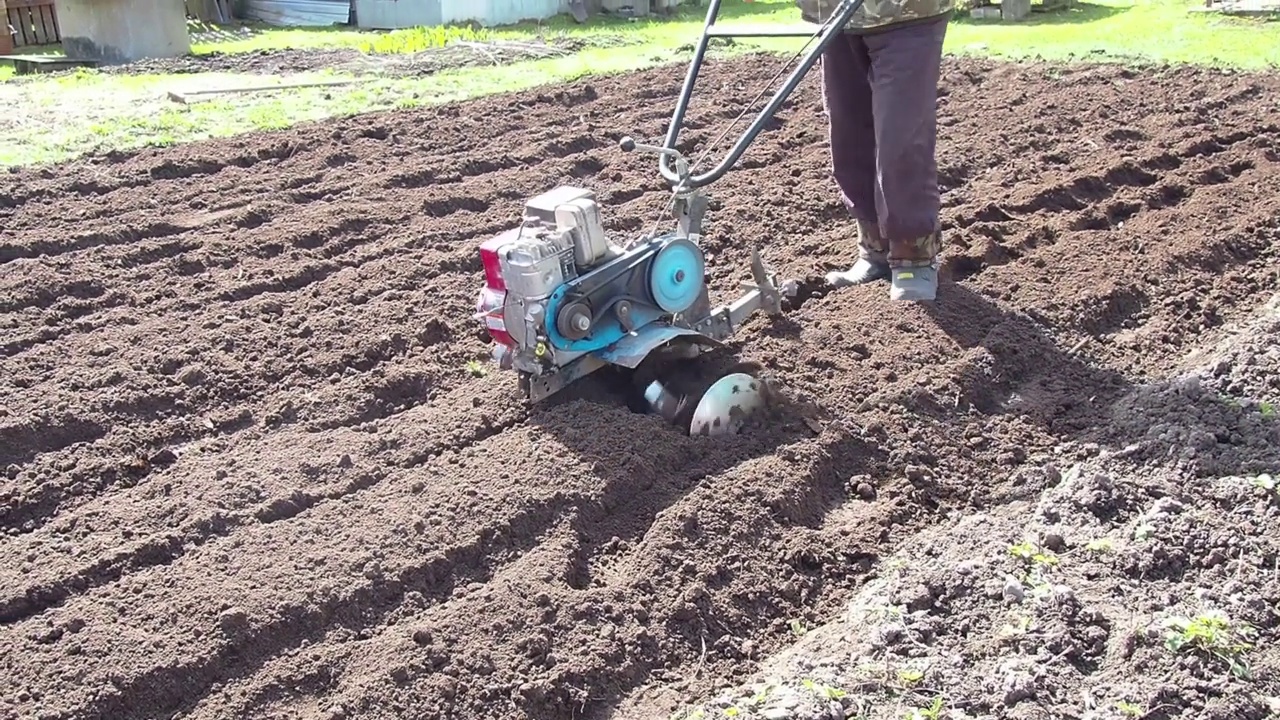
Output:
[[676, 275]]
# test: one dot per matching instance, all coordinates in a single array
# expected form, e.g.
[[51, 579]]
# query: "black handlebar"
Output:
[[830, 29]]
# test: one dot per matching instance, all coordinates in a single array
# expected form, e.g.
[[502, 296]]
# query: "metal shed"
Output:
[[299, 13], [394, 14]]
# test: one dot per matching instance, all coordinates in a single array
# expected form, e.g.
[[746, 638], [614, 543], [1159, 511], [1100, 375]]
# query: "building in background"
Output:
[[394, 14]]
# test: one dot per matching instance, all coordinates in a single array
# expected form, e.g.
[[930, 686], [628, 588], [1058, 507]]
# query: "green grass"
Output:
[[682, 28], [1152, 30], [76, 117], [85, 111], [1162, 31]]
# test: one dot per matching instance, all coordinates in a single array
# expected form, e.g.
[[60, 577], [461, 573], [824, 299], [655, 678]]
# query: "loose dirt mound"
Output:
[[1122, 583], [249, 473]]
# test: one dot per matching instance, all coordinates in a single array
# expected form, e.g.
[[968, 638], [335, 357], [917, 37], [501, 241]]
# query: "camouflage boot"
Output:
[[872, 264], [914, 268]]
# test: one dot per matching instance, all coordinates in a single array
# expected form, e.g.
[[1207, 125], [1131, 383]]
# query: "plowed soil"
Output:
[[248, 473]]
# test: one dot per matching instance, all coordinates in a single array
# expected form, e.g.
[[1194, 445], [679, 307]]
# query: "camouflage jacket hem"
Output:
[[877, 14]]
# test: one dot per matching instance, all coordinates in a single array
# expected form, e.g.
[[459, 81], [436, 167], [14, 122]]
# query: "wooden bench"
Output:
[[29, 64]]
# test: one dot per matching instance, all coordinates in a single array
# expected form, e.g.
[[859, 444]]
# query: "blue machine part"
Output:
[[679, 262], [676, 276], [632, 349], [608, 332]]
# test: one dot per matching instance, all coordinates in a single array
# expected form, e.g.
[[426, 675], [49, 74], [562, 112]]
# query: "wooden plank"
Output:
[[18, 20], [50, 27], [23, 26], [6, 40], [28, 64], [28, 32], [37, 27], [29, 3]]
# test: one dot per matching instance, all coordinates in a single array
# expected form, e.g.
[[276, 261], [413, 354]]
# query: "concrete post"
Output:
[[1014, 10], [123, 31]]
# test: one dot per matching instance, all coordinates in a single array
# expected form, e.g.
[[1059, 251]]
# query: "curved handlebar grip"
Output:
[[627, 144]]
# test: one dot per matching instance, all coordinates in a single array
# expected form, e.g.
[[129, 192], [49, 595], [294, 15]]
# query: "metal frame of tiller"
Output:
[[688, 205]]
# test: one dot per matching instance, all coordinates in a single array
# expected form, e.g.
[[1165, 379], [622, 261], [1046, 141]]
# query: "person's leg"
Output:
[[905, 65], [846, 91]]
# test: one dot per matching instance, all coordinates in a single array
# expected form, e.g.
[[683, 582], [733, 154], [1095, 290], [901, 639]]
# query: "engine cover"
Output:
[[556, 288]]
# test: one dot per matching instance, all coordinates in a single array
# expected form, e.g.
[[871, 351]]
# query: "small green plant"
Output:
[[910, 676], [822, 690], [1037, 562], [1267, 410], [1264, 482], [876, 613], [477, 368], [797, 627], [1100, 545], [933, 712], [1016, 628], [1213, 633], [1129, 709], [762, 695], [1028, 552]]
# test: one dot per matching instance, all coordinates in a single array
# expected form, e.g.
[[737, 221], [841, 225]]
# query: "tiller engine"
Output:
[[562, 300]]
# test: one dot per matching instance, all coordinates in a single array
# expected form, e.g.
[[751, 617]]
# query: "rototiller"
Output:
[[561, 300]]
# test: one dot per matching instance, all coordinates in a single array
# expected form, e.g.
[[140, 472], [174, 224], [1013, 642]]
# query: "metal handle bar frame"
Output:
[[829, 30]]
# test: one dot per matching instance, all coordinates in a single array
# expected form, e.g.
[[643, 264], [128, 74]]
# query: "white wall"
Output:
[[505, 12], [388, 14]]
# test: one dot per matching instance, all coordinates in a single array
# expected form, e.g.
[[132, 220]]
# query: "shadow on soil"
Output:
[[1025, 373], [1023, 370]]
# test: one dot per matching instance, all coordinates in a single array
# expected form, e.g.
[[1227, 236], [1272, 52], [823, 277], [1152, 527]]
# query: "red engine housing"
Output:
[[491, 304]]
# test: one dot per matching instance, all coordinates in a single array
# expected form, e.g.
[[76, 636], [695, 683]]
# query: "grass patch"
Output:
[[1163, 31], [682, 27], [86, 111], [90, 111]]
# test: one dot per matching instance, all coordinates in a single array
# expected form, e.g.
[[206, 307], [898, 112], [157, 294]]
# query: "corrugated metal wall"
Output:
[[299, 13], [499, 12], [396, 14], [393, 14]]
